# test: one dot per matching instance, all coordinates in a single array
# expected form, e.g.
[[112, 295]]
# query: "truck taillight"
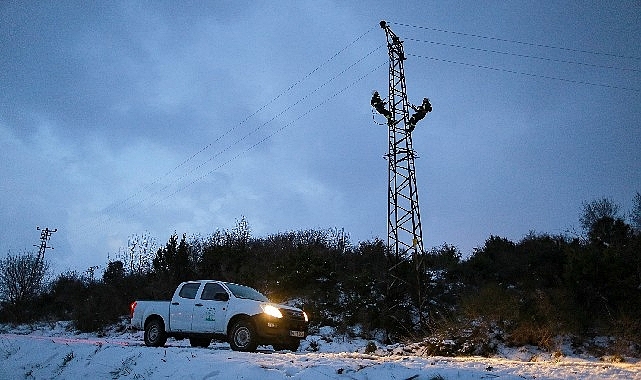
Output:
[[132, 307]]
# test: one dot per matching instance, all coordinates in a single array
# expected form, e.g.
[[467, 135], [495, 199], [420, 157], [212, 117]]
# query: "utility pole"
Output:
[[405, 235], [45, 235], [37, 271]]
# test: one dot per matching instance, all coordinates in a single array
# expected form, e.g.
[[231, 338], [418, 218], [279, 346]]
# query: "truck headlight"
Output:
[[306, 317], [272, 310]]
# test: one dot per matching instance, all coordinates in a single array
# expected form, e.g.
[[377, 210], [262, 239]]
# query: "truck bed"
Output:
[[147, 308]]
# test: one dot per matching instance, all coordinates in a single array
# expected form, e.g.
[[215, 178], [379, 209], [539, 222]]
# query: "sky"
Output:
[[126, 118]]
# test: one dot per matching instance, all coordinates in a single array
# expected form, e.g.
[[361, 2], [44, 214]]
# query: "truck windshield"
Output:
[[241, 291]]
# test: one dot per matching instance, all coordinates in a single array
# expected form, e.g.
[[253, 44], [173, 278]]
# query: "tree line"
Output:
[[531, 291]]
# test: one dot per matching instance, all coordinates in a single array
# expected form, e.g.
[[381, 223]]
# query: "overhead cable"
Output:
[[287, 125], [524, 55], [526, 73], [122, 203], [518, 42]]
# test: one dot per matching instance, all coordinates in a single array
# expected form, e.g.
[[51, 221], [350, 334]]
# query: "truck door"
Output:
[[210, 309], [182, 307]]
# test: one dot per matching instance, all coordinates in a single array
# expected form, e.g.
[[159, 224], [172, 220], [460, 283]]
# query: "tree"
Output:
[[609, 231], [495, 261], [66, 292], [21, 277], [115, 272], [173, 262], [596, 210], [138, 256], [183, 266], [445, 257], [635, 215], [241, 233], [163, 262]]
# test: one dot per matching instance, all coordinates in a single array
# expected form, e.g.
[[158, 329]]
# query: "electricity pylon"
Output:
[[45, 235], [38, 268], [404, 231]]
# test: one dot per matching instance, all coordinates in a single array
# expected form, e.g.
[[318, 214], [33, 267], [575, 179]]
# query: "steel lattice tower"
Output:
[[45, 235], [405, 235]]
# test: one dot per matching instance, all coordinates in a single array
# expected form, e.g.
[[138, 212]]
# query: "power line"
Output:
[[525, 55], [255, 130], [282, 93], [594, 52], [287, 125], [292, 86], [526, 73], [281, 113], [238, 141], [158, 180]]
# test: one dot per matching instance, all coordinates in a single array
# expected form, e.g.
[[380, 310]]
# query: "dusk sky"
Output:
[[126, 117]]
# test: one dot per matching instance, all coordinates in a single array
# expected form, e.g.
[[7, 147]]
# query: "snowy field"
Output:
[[51, 351]]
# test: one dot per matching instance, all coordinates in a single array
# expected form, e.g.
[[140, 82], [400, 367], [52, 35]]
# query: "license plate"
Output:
[[298, 334]]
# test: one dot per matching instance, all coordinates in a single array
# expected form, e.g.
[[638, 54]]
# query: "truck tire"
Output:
[[242, 336], [155, 335], [199, 342]]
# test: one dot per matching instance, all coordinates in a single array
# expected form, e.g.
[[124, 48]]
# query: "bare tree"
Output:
[[138, 256], [22, 277]]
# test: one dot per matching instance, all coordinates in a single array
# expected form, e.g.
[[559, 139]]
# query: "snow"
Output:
[[55, 351]]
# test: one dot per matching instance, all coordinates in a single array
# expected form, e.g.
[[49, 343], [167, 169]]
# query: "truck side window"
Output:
[[189, 290], [210, 290]]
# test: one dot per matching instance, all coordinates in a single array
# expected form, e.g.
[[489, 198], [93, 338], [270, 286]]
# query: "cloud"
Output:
[[126, 117]]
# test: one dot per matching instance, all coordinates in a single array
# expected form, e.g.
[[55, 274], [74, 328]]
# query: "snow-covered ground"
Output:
[[52, 351]]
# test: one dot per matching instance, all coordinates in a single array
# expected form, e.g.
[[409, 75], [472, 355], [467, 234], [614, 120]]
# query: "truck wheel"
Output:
[[199, 342], [242, 336], [155, 335]]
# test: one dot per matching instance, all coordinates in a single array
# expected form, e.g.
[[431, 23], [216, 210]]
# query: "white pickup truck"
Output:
[[207, 309]]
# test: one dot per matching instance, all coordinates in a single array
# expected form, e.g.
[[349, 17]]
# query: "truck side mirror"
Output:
[[221, 296]]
